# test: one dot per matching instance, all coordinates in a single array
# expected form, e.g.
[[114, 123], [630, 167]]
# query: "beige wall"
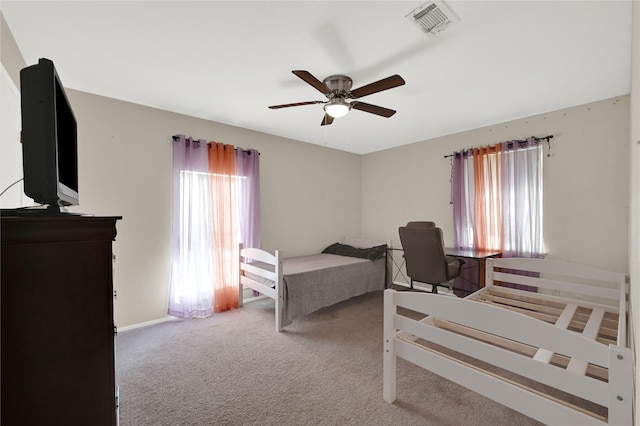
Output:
[[9, 53], [310, 195], [586, 181]]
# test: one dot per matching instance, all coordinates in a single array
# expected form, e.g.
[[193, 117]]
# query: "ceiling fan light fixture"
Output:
[[337, 108]]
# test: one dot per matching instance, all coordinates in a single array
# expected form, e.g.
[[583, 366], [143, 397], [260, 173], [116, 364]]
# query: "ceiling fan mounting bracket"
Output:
[[338, 84]]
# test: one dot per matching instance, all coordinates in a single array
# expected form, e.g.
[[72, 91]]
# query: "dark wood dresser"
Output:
[[57, 329]]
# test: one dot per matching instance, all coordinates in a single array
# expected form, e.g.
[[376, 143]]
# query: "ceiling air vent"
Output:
[[433, 17]]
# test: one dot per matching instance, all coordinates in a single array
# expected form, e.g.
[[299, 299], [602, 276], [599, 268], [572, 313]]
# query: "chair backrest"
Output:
[[421, 225], [424, 254]]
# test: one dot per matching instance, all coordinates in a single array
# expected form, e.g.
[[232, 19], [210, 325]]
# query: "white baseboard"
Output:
[[170, 318], [147, 323]]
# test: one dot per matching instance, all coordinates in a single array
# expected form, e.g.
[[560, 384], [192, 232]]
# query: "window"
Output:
[[497, 198], [215, 207]]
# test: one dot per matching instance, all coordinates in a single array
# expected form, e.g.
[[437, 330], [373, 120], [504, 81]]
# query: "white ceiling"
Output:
[[228, 61]]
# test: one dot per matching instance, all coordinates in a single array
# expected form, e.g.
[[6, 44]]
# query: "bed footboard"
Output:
[[262, 271], [492, 351]]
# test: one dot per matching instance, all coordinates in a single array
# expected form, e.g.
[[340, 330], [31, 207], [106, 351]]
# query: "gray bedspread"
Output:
[[320, 280]]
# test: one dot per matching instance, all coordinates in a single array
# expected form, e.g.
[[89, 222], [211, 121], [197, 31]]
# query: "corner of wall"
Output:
[[634, 196], [10, 54]]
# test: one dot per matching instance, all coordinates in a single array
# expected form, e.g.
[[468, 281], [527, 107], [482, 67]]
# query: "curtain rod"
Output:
[[547, 138], [176, 137]]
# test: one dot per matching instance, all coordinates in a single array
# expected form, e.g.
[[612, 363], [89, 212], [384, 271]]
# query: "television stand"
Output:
[[56, 320], [49, 211]]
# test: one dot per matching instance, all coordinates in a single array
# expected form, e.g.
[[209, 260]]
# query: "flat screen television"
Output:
[[49, 138]]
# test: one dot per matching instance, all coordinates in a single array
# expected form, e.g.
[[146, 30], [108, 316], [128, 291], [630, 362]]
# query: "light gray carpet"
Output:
[[325, 369]]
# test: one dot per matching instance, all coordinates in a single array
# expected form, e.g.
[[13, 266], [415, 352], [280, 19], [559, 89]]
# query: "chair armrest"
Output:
[[450, 259]]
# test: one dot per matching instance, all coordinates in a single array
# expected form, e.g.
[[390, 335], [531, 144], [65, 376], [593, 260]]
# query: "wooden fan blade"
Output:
[[295, 104], [378, 86], [326, 120], [310, 79], [373, 109]]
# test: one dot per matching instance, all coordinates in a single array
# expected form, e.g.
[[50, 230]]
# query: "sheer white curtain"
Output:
[[191, 290], [521, 178]]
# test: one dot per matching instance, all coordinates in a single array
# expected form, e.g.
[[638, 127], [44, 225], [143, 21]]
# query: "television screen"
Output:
[[49, 138], [66, 139]]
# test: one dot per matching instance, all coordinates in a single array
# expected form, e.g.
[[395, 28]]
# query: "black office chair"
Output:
[[421, 225], [425, 259]]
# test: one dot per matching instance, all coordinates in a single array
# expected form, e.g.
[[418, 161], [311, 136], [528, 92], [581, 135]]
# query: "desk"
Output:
[[466, 283]]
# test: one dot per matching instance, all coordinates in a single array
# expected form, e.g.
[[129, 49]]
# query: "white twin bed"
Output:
[[558, 354], [303, 284]]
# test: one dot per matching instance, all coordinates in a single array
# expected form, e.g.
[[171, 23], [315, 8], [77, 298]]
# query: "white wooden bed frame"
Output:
[[574, 343], [271, 283]]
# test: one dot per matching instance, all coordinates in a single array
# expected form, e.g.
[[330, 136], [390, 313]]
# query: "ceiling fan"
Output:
[[337, 89]]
